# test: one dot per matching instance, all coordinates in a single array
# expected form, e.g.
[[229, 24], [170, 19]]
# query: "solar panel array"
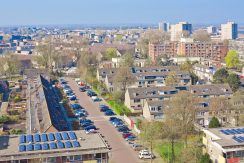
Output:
[[239, 139], [59, 140], [233, 131]]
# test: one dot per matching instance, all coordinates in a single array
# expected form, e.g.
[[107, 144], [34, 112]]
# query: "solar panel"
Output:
[[45, 146], [22, 139], [58, 136], [37, 147], [65, 135], [22, 148], [68, 144], [29, 147], [37, 138], [237, 139], [237, 131], [241, 138], [29, 138], [53, 145], [51, 137], [72, 135], [44, 137], [76, 144], [60, 145]]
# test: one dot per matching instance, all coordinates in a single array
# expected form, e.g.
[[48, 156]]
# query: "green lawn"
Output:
[[164, 149], [118, 108]]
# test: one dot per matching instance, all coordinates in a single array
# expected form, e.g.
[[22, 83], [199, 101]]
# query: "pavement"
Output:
[[121, 152]]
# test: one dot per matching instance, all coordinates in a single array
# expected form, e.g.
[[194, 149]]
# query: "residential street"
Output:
[[121, 151]]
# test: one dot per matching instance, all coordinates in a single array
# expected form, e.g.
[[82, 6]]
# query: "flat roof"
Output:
[[227, 137], [89, 144]]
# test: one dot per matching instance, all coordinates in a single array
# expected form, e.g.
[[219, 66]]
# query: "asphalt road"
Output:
[[121, 151]]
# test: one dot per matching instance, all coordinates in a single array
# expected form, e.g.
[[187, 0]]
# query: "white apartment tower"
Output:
[[229, 31], [179, 29]]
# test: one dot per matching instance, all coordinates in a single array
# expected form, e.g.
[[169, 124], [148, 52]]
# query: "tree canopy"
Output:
[[232, 59], [172, 79], [214, 123], [201, 35], [220, 76], [234, 81], [110, 53]]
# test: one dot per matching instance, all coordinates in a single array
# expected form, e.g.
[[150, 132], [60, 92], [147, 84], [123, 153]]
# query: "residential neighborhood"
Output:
[[121, 82]]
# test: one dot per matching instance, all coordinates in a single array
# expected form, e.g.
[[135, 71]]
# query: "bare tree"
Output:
[[172, 79], [123, 78], [201, 35], [10, 64]]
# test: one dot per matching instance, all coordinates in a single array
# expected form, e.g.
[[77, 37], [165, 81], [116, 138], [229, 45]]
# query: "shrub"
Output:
[[17, 98], [119, 108], [4, 119]]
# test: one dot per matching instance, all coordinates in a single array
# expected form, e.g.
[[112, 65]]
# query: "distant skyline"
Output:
[[98, 12]]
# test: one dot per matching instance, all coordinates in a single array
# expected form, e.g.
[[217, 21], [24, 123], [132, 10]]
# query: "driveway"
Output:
[[121, 151]]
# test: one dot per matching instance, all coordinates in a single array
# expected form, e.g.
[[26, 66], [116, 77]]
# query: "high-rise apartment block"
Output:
[[163, 26], [211, 30], [229, 31], [179, 30]]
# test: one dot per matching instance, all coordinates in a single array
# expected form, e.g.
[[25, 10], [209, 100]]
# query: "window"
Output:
[[137, 100]]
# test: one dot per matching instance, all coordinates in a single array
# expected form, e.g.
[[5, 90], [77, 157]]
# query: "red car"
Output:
[[125, 135]]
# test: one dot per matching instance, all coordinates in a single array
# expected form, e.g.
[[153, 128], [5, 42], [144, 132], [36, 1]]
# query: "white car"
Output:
[[91, 131], [146, 156]]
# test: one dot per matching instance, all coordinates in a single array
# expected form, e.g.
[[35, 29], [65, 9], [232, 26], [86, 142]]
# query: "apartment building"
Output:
[[229, 31], [135, 98], [204, 72], [212, 51], [215, 51], [163, 26], [224, 145], [61, 147], [145, 76], [156, 76], [180, 29], [165, 49]]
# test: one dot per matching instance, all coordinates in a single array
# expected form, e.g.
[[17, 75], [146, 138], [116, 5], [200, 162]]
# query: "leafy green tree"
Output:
[[234, 81], [220, 76], [110, 53], [232, 59], [214, 123]]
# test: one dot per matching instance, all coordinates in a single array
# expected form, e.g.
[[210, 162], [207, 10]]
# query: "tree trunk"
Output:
[[172, 150], [151, 150]]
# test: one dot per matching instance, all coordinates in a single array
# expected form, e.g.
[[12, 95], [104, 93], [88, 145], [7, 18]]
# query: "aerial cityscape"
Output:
[[122, 81]]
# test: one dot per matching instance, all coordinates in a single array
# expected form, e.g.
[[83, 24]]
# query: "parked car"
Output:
[[104, 109], [123, 129], [67, 90], [103, 106], [95, 99], [145, 154], [125, 135], [111, 119], [90, 127], [137, 147], [84, 125], [91, 93], [73, 98], [91, 131], [76, 106], [109, 113], [80, 115], [85, 121], [130, 138], [82, 89]]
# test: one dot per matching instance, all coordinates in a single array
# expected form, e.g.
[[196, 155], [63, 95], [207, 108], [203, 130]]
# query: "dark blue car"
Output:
[[109, 113], [85, 121], [76, 106], [90, 127]]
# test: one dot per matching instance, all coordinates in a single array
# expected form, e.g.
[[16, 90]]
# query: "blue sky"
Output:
[[31, 12]]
